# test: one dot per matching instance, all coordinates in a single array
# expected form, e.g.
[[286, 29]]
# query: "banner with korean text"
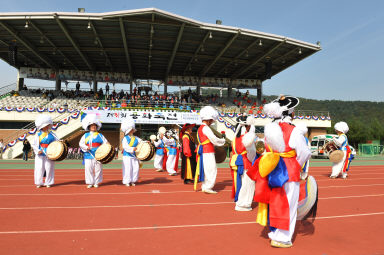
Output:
[[147, 117]]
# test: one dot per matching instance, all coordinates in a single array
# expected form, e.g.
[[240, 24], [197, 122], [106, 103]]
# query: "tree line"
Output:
[[364, 118]]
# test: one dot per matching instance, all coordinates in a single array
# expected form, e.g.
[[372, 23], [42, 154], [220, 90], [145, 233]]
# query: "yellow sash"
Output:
[[267, 164], [42, 136], [269, 160], [133, 139], [89, 137]]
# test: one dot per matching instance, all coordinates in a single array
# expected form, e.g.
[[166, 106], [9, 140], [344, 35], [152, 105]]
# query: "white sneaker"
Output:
[[127, 184], [133, 184], [174, 174], [243, 209], [159, 170], [95, 186], [38, 186], [48, 186], [89, 186], [209, 191]]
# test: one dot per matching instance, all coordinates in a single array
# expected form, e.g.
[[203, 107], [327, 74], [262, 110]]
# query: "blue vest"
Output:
[[160, 151], [172, 148], [345, 143], [135, 143], [44, 142], [96, 142]]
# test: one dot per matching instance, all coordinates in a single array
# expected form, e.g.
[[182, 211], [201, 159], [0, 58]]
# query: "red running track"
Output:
[[163, 216]]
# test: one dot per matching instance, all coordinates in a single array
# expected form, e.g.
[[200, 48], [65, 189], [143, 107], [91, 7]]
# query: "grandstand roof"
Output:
[[147, 43]]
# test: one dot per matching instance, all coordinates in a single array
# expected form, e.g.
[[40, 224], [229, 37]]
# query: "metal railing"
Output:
[[311, 113], [7, 89], [145, 104]]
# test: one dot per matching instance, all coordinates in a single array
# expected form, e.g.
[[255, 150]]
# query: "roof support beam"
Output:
[[28, 45], [283, 56], [21, 54], [210, 65], [123, 35], [237, 57], [242, 70], [51, 43], [197, 51], [296, 49], [175, 48], [101, 44], [74, 44]]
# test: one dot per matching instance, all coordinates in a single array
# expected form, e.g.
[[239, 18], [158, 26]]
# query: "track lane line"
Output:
[[171, 226], [161, 192], [159, 205]]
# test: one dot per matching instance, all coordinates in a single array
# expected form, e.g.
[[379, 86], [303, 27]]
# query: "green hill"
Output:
[[365, 119]]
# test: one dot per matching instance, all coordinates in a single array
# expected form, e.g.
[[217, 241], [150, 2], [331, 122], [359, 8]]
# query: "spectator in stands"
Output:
[[26, 149], [78, 86], [121, 95], [25, 87], [1, 148], [50, 96], [264, 101]]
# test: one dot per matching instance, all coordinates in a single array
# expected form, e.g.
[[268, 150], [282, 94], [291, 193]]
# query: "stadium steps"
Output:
[[62, 132]]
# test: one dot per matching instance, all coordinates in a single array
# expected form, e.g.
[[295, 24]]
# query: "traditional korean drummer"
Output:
[[341, 141], [89, 144], [131, 164], [41, 141]]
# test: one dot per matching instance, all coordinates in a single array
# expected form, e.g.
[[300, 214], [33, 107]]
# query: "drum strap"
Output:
[[199, 176]]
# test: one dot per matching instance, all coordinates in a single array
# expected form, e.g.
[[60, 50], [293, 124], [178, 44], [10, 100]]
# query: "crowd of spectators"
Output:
[[145, 98], [247, 103]]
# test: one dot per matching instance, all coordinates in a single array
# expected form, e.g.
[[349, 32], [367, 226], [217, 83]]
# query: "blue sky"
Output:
[[351, 33]]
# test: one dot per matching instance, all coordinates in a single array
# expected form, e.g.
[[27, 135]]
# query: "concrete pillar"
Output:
[[229, 92], [19, 84], [165, 88], [94, 86], [259, 93], [57, 84], [179, 92], [130, 87]]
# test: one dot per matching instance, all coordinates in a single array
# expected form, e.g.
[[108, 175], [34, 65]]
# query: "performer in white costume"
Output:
[[41, 141], [305, 168], [206, 169], [160, 150], [172, 152], [278, 187], [89, 143], [131, 165], [244, 153], [342, 142]]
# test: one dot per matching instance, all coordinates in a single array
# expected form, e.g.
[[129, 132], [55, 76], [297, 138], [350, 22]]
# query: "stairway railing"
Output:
[[7, 89]]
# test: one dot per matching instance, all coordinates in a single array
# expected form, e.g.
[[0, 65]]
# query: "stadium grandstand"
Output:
[[140, 50]]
